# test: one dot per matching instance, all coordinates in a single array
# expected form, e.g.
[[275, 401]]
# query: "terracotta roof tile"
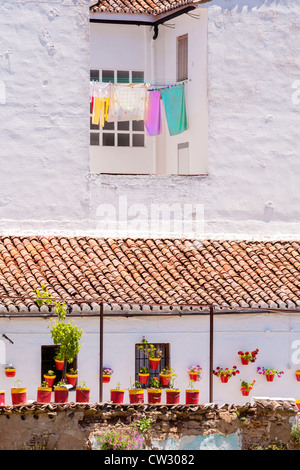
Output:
[[154, 7], [235, 274]]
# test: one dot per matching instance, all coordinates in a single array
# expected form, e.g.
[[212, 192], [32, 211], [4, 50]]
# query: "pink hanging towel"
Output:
[[153, 120]]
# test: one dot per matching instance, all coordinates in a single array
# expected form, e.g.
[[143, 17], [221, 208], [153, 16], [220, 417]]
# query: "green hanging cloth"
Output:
[[175, 109]]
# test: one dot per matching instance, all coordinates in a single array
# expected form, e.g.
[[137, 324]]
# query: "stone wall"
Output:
[[71, 426]]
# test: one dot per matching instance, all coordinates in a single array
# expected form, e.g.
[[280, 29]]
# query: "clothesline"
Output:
[[115, 102]]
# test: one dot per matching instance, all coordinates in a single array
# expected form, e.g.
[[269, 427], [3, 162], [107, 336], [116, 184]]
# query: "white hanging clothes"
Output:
[[128, 102]]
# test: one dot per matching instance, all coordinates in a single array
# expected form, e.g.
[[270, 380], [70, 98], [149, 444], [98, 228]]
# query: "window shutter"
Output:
[[182, 57]]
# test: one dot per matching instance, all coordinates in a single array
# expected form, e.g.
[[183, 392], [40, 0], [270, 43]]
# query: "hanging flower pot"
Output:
[[270, 377], [245, 392], [106, 373], [164, 379], [44, 394], [269, 373], [225, 374], [18, 396], [246, 387], [154, 362], [82, 395], [297, 373], [10, 371], [59, 364], [2, 397], [49, 379], [71, 378], [172, 396], [224, 378], [154, 395], [117, 395], [144, 378], [247, 356], [136, 396], [194, 373], [192, 397], [298, 404], [105, 378], [61, 394]]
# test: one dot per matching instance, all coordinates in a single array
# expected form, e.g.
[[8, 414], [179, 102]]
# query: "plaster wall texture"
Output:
[[277, 337], [251, 190]]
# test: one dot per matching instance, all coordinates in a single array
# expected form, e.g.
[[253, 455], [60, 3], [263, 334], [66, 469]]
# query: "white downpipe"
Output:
[[154, 138]]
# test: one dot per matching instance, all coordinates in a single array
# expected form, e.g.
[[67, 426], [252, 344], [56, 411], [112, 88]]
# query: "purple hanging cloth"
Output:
[[153, 120]]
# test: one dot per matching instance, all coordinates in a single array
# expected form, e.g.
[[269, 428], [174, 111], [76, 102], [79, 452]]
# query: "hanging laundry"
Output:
[[99, 98], [174, 103], [153, 119], [128, 102]]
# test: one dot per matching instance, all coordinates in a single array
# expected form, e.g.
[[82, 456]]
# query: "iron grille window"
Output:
[[47, 363], [182, 57], [142, 361]]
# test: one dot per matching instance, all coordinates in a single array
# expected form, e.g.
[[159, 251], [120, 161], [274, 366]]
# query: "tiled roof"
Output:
[[149, 272], [151, 7]]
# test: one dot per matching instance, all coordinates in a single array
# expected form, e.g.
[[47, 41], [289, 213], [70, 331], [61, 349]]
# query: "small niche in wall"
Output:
[[183, 158]]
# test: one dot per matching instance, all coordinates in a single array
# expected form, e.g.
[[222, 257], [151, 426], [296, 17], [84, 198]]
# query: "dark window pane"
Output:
[[138, 140], [94, 127], [94, 75], [109, 126], [108, 139], [123, 140], [138, 126], [94, 138], [108, 76], [122, 76], [142, 361], [137, 77], [123, 126]]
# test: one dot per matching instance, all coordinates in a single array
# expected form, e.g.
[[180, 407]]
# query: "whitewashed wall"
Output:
[[253, 147], [277, 337]]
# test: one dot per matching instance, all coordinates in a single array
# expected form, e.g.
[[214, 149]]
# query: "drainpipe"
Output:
[[154, 138], [211, 352], [101, 355]]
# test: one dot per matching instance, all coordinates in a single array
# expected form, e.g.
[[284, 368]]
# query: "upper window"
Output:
[[182, 57], [142, 361]]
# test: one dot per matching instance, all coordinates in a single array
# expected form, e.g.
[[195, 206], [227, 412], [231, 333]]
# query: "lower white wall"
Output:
[[277, 336]]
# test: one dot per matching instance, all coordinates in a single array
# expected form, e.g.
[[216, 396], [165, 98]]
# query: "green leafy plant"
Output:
[[247, 385], [73, 371], [118, 439], [167, 371], [144, 370], [149, 349], [155, 383], [142, 423], [136, 385], [295, 431]]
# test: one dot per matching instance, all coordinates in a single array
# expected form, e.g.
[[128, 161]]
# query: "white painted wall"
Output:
[[276, 335], [253, 147]]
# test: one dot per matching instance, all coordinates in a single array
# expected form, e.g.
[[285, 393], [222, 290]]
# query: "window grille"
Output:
[[142, 361], [47, 363]]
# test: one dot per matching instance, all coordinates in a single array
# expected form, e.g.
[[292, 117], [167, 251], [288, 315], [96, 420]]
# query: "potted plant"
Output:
[[61, 392], [144, 374], [297, 373], [246, 387], [194, 372], [172, 393], [2, 397], [49, 378], [82, 393], [225, 374], [153, 354], [106, 373], [154, 392], [165, 375], [270, 373], [72, 376], [247, 356], [192, 394], [136, 393], [44, 393], [59, 360], [10, 370], [117, 394], [18, 394]]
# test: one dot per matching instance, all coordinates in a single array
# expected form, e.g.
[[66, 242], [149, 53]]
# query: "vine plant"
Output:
[[65, 335]]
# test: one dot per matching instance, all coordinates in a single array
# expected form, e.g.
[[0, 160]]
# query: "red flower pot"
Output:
[[164, 379], [154, 395], [61, 395], [298, 376], [298, 404], [194, 376], [143, 378], [245, 392], [117, 396], [224, 378], [154, 361], [105, 378], [44, 394], [10, 372], [136, 396], [192, 397], [59, 364], [2, 397], [244, 361], [49, 379], [18, 396], [270, 377], [172, 397], [82, 395], [72, 379]]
